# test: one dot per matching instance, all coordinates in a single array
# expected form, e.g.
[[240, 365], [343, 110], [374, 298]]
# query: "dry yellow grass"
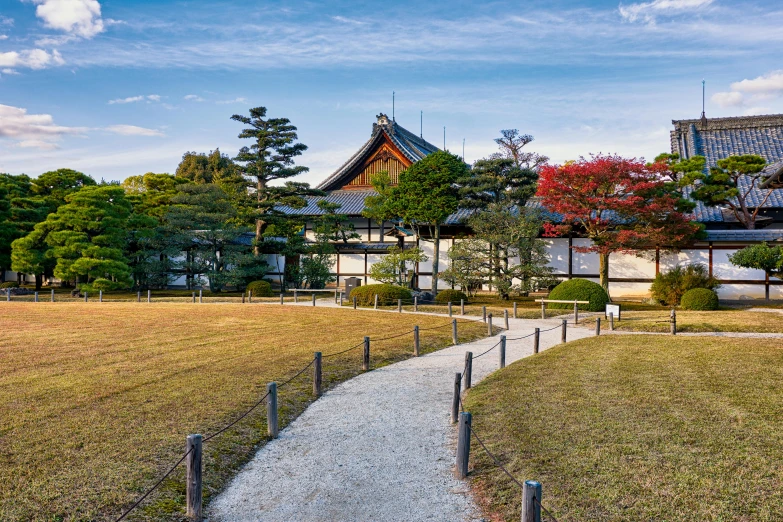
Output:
[[96, 399], [693, 321]]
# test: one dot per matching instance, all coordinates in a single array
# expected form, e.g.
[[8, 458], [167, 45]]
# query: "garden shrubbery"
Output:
[[579, 290], [9, 284], [454, 296], [387, 294], [669, 287], [260, 288], [699, 299]]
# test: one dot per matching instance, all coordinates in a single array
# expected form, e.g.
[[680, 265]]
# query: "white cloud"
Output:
[[770, 83], [31, 58], [134, 99], [728, 99], [10, 71], [55, 41], [4, 20], [3, 37], [32, 130], [194, 97], [133, 130], [79, 17], [235, 100], [647, 11], [754, 111]]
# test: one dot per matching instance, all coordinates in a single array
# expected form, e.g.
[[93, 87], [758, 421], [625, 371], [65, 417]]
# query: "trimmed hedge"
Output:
[[579, 290], [9, 284], [387, 294], [444, 296], [699, 299], [260, 288]]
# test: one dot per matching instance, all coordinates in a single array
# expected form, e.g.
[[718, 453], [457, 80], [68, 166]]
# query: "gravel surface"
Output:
[[379, 447]]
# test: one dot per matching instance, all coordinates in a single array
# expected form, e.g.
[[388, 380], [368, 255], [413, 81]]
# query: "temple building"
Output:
[[393, 148]]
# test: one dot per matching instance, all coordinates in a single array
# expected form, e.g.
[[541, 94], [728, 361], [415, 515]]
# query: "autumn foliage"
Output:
[[622, 205]]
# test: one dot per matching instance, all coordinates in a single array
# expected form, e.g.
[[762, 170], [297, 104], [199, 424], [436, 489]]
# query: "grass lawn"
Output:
[[691, 321], [637, 428], [96, 399]]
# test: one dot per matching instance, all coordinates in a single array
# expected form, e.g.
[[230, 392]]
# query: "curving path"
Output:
[[378, 447]]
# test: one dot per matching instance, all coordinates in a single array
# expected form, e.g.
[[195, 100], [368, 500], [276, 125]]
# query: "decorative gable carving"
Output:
[[385, 158]]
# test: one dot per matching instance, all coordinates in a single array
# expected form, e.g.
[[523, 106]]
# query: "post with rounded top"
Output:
[[489, 325], [416, 341], [100, 296], [455, 398], [505, 319], [454, 338], [611, 321], [313, 299], [271, 410], [463, 445], [531, 501], [450, 311], [502, 351], [563, 331], [536, 339], [193, 471], [366, 354], [543, 309], [468, 369], [515, 310], [597, 326], [673, 321], [317, 374], [576, 312], [462, 307]]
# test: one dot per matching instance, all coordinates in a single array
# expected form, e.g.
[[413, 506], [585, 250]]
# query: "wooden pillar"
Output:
[[502, 351], [271, 410], [193, 481], [317, 374], [463, 445], [416, 341]]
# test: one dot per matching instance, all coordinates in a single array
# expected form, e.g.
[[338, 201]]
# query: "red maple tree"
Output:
[[622, 205]]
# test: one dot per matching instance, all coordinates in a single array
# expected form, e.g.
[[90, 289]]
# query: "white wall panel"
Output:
[[629, 290], [741, 291], [631, 267], [351, 263], [558, 251], [723, 269], [685, 257], [585, 263]]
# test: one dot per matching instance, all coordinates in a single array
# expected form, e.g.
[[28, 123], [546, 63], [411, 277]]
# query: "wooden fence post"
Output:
[[597, 326], [149, 296], [536, 339], [484, 313], [489, 325], [399, 305], [36, 297], [8, 295], [296, 296], [611, 321], [543, 309], [271, 410], [85, 296], [341, 299], [375, 305], [515, 310], [317, 374], [461, 307], [463, 445], [313, 299], [576, 313], [282, 298], [354, 302], [52, 294], [454, 338], [416, 303], [673, 320], [335, 296], [200, 295], [531, 510], [138, 296], [468, 369], [100, 296], [243, 297], [250, 296], [505, 319], [450, 311], [193, 471], [416, 344], [194, 297], [455, 398], [502, 351], [366, 354], [563, 331]]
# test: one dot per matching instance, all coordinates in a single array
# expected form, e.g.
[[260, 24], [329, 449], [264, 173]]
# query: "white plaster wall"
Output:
[[631, 267], [558, 252], [776, 291], [741, 291], [629, 290], [723, 269], [585, 263], [351, 263], [685, 257]]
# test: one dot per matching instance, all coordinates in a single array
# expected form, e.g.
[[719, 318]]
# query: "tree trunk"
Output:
[[2, 274], [259, 222], [435, 261], [603, 270], [38, 282]]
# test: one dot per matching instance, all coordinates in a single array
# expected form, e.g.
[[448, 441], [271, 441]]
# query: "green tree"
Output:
[[760, 257], [497, 182], [425, 196], [54, 186], [732, 183], [271, 157], [511, 144], [394, 265], [19, 212]]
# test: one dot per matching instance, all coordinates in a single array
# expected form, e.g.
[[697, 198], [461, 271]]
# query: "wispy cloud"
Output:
[[133, 130], [648, 11], [135, 99], [4, 20], [193, 97], [31, 59], [32, 130], [235, 100], [3, 37], [748, 92], [78, 17]]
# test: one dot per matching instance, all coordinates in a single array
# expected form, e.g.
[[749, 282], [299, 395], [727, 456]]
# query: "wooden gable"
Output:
[[385, 156]]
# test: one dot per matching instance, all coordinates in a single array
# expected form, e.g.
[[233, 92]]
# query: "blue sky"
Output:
[[117, 88]]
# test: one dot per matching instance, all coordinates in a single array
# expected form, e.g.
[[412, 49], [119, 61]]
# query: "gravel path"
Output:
[[378, 447]]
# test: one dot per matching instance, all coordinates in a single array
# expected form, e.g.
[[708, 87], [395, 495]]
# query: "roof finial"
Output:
[[703, 93]]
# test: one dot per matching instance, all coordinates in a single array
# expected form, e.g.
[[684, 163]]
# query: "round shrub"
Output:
[[579, 290], [454, 296], [699, 299], [9, 284], [387, 294], [260, 288]]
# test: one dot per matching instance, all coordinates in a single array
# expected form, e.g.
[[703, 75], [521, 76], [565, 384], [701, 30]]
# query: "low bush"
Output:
[[387, 294], [579, 290], [9, 284], [699, 299], [260, 288], [669, 287], [454, 296]]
